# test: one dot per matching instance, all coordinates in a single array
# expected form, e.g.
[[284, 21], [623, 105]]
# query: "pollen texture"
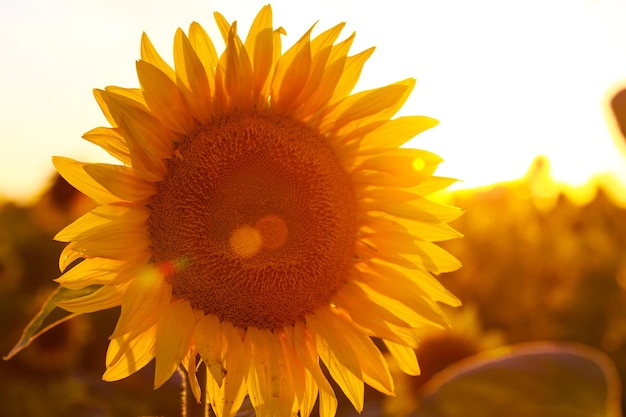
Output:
[[264, 215]]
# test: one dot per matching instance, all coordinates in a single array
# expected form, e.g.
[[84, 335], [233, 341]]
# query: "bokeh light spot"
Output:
[[273, 231], [245, 241], [419, 164]]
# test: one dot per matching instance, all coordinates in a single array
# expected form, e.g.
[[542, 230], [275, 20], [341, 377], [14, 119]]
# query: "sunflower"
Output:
[[438, 350], [262, 219]]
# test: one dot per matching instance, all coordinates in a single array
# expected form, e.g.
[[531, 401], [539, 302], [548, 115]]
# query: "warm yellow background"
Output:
[[509, 80]]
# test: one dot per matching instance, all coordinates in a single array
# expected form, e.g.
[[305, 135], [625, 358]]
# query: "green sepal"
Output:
[[42, 322]]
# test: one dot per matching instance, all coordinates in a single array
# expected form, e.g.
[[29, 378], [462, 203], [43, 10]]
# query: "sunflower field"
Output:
[[533, 273], [268, 244]]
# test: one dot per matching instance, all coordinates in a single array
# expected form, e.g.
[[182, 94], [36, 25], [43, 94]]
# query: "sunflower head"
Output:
[[263, 220]]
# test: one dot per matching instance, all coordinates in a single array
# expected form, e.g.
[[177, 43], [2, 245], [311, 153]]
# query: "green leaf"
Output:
[[535, 379], [36, 326]]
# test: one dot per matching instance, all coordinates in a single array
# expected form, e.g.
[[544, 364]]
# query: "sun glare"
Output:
[[507, 94], [508, 81]]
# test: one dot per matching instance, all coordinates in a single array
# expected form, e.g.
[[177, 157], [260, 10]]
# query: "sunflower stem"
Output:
[[189, 406]]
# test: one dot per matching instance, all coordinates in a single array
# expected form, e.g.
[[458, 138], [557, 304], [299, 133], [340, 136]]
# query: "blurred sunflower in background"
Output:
[[439, 349], [264, 218]]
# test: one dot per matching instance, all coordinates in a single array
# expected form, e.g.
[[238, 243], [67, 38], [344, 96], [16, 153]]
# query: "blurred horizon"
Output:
[[537, 266], [509, 82], [523, 93]]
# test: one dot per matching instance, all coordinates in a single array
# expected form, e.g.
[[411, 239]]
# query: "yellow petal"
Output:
[[104, 298], [310, 394], [150, 55], [102, 217], [318, 99], [364, 105], [259, 379], [111, 141], [260, 47], [222, 25], [192, 78], [234, 385], [405, 300], [323, 43], [432, 184], [124, 242], [373, 366], [365, 251], [131, 97], [373, 317], [287, 402], [121, 181], [276, 55], [303, 385], [190, 365], [292, 71], [389, 134], [391, 242], [173, 338], [144, 300], [404, 357], [390, 111], [431, 231], [421, 209], [328, 404], [205, 50], [337, 354], [269, 387], [99, 96], [209, 341], [413, 255], [68, 256], [424, 279], [350, 75], [364, 179], [403, 161], [423, 188], [320, 50], [234, 74], [307, 353], [227, 398], [148, 148], [148, 142], [126, 356], [436, 259], [164, 99], [92, 271], [74, 173]]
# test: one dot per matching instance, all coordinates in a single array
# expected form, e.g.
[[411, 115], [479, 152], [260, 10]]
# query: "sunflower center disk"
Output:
[[262, 213]]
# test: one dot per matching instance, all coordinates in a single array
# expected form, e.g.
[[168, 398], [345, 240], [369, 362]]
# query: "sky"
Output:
[[508, 80]]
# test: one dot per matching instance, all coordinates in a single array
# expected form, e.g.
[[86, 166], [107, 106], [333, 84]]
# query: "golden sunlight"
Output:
[[533, 83], [508, 81], [274, 226]]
